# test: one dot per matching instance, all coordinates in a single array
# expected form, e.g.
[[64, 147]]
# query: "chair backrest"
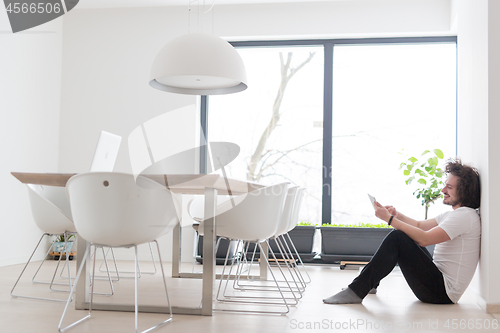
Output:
[[287, 210], [296, 209], [50, 209], [257, 217], [111, 209]]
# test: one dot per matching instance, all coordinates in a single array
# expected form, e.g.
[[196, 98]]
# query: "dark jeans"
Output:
[[422, 275]]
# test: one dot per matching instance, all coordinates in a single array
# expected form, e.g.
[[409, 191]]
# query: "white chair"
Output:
[[293, 223], [52, 215], [283, 250], [254, 219], [196, 210], [111, 210]]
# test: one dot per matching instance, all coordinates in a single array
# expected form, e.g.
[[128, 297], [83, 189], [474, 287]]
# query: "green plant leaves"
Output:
[[360, 225], [428, 174], [306, 223], [435, 161], [439, 153]]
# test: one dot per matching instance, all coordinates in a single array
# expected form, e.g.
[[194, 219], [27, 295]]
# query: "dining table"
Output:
[[208, 185]]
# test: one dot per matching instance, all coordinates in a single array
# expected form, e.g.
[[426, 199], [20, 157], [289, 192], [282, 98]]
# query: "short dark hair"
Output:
[[468, 185]]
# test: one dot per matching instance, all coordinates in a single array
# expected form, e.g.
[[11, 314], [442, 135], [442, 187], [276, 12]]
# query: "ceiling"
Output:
[[82, 4]]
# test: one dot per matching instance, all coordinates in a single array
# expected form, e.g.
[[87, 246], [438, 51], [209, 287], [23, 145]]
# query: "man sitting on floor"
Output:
[[457, 233]]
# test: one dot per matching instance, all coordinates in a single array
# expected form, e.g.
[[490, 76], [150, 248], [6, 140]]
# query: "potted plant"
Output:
[[58, 247], [351, 242], [427, 173]]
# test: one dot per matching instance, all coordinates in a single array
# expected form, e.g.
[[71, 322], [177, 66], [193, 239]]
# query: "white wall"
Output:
[[338, 19], [30, 89], [478, 135], [105, 86]]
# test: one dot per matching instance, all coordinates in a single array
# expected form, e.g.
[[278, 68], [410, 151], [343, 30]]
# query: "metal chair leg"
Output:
[[136, 288], [155, 270], [267, 288], [300, 259], [94, 278], [238, 284], [105, 262], [246, 299], [136, 310], [78, 274], [24, 269]]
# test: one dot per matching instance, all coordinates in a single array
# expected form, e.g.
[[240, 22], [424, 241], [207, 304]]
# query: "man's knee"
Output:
[[399, 238], [397, 234]]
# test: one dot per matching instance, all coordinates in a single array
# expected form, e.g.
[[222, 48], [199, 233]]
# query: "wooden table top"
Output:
[[185, 184]]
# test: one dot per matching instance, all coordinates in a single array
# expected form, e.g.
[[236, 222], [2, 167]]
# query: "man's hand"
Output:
[[382, 212], [392, 210]]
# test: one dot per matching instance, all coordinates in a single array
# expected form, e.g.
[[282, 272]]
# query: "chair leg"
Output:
[[136, 269], [299, 259], [295, 259], [66, 263], [243, 256], [33, 279], [94, 278], [238, 284], [105, 263], [290, 263], [245, 299], [267, 288], [24, 269], [86, 257], [228, 274], [51, 283], [155, 270], [78, 274]]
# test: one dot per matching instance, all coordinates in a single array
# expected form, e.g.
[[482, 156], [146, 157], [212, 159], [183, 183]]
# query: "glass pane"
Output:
[[277, 121], [388, 101]]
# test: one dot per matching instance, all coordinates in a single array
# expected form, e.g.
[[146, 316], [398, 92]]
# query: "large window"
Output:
[[389, 100], [277, 121], [337, 117]]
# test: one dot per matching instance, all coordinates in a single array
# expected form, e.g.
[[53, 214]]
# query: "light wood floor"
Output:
[[393, 309]]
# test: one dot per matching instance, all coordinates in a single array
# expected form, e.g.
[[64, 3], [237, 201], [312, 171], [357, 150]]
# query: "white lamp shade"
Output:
[[198, 64]]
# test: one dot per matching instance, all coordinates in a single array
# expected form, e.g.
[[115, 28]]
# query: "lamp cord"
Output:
[[201, 4]]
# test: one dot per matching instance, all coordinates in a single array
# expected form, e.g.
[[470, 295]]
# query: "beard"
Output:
[[450, 202]]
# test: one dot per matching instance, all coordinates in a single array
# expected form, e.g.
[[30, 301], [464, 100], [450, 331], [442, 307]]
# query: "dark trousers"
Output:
[[422, 275]]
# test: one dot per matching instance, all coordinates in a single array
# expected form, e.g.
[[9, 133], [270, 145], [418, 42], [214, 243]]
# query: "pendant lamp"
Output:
[[198, 64]]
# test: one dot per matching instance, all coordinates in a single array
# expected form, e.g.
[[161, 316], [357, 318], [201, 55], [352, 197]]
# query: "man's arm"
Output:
[[434, 235], [424, 225]]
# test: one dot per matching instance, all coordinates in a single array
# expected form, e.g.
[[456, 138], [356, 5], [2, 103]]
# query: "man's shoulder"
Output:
[[463, 220], [466, 211], [459, 213]]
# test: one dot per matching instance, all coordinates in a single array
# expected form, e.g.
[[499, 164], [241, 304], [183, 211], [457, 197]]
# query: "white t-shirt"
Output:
[[457, 258]]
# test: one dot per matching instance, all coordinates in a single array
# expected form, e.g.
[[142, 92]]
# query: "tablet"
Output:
[[372, 200]]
